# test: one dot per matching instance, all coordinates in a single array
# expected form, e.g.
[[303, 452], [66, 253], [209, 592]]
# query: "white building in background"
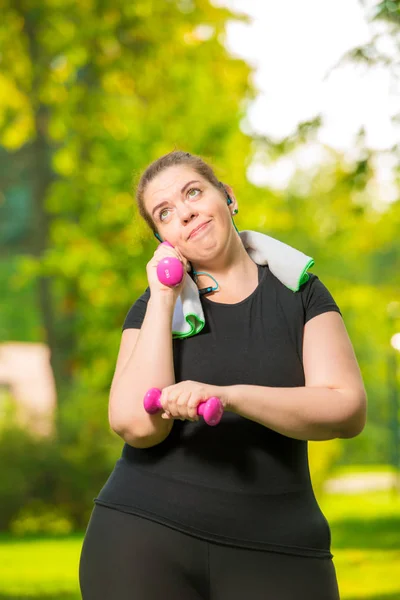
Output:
[[26, 375]]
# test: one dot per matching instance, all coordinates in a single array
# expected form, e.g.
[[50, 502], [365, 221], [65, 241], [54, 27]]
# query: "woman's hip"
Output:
[[128, 556]]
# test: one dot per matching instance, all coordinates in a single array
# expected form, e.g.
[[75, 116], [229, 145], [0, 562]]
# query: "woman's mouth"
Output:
[[199, 231]]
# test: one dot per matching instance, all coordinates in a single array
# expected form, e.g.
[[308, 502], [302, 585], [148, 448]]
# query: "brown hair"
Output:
[[177, 157]]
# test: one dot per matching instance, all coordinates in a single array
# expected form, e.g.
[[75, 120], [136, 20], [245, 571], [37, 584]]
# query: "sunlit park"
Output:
[[296, 107]]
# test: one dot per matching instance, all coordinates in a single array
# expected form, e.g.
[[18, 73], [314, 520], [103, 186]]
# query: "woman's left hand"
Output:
[[180, 400]]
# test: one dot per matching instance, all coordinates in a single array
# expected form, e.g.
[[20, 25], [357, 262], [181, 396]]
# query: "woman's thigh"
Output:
[[237, 573], [125, 557]]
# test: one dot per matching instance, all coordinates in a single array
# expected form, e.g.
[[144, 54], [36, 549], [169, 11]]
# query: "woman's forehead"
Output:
[[171, 177], [167, 186]]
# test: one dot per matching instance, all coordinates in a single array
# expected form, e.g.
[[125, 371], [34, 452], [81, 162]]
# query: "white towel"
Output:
[[286, 263]]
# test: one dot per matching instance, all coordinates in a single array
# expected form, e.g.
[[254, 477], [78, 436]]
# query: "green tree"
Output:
[[93, 91]]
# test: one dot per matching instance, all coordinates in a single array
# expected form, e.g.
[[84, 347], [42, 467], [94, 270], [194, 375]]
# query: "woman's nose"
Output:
[[185, 213]]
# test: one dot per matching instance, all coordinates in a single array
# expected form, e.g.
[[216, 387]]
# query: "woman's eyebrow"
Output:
[[182, 190]]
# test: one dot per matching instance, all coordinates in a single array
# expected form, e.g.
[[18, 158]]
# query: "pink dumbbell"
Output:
[[170, 270], [212, 410]]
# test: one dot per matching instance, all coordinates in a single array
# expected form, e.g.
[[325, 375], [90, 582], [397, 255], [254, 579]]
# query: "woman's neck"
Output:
[[232, 278]]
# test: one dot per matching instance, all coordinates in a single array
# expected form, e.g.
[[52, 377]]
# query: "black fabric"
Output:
[[238, 483], [126, 557]]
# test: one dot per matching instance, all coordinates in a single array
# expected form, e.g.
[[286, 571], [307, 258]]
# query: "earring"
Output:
[[235, 211]]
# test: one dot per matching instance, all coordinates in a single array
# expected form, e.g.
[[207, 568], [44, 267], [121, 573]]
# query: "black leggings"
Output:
[[126, 557]]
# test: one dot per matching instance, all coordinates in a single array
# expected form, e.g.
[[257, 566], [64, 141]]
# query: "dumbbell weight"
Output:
[[170, 270], [211, 410]]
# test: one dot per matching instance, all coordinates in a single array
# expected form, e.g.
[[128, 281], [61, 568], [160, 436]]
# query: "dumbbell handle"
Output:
[[211, 410]]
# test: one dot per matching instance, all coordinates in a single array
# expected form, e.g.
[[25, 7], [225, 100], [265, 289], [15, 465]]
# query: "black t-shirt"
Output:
[[238, 483]]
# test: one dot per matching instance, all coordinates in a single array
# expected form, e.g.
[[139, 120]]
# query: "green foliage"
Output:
[[102, 101], [323, 456], [39, 518], [19, 315], [88, 451], [48, 484], [20, 458]]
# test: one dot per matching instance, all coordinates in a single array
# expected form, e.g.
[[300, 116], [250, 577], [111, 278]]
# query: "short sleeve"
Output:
[[137, 312], [316, 298]]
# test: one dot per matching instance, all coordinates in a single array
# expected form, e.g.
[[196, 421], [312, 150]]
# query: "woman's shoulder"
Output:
[[137, 311], [316, 298]]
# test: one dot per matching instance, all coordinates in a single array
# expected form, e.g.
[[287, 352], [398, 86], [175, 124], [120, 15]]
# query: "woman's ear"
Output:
[[229, 192]]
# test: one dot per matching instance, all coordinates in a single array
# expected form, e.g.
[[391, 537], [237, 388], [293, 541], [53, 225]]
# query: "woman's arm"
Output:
[[145, 360], [333, 403]]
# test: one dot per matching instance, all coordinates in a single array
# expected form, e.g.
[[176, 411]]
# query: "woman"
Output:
[[198, 512]]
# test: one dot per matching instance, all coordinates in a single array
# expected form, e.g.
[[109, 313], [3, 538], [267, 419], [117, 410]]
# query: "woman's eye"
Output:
[[193, 190], [160, 214]]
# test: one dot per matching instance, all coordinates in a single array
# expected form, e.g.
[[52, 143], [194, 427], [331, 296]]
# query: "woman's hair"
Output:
[[177, 157]]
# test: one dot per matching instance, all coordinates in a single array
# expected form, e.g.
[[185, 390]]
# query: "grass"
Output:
[[365, 544], [45, 568], [352, 469]]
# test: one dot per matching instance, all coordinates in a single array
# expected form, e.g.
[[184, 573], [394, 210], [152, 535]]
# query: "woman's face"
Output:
[[179, 200]]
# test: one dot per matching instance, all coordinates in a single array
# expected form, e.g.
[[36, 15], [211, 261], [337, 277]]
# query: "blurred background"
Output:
[[297, 106]]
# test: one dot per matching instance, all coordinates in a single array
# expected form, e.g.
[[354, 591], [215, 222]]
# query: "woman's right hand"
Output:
[[158, 289]]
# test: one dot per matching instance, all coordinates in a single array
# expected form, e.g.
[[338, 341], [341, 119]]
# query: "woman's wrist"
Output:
[[163, 301], [226, 394]]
